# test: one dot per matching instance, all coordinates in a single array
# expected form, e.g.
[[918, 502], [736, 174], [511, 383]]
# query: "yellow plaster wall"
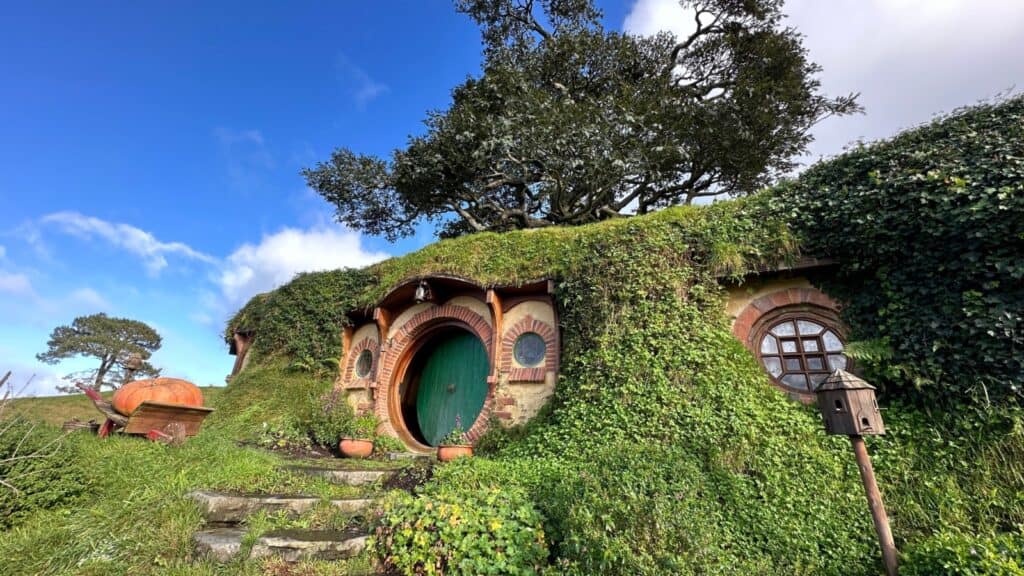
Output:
[[365, 331], [407, 315], [741, 296], [476, 306], [529, 397]]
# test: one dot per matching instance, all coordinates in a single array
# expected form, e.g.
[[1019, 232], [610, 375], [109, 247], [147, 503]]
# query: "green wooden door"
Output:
[[453, 382]]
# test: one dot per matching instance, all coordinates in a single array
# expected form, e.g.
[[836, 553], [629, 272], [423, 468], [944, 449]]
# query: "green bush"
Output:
[[953, 554], [488, 531], [928, 229], [330, 418], [303, 319], [41, 469]]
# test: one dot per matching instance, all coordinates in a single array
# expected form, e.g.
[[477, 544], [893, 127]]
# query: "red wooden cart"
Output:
[[158, 421]]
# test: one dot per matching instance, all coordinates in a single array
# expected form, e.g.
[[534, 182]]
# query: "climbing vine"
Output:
[[928, 228]]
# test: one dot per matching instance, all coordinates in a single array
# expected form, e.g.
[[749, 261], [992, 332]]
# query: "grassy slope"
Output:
[[58, 409], [131, 516]]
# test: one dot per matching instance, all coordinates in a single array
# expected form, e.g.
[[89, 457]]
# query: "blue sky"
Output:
[[149, 151]]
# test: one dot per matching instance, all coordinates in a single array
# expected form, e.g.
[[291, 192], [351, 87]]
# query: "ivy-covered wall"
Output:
[[929, 231], [665, 449]]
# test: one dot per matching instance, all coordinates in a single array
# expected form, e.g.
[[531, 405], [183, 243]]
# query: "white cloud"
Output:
[[362, 87], [17, 284], [255, 268], [125, 236], [30, 380], [648, 17], [909, 59]]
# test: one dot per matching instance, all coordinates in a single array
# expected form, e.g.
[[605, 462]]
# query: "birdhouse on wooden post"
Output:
[[848, 406]]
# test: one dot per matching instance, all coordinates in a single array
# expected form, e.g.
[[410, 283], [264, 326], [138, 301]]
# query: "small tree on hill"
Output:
[[570, 123], [123, 347]]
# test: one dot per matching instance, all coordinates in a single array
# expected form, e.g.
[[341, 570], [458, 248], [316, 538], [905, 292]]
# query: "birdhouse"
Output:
[[848, 405]]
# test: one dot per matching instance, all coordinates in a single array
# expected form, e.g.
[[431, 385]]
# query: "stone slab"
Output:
[[300, 545], [228, 508], [218, 544], [346, 477]]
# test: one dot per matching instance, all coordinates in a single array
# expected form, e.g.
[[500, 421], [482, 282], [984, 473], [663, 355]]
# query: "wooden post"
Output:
[[867, 476]]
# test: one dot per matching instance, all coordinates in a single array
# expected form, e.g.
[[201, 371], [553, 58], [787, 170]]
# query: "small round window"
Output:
[[529, 349], [800, 353], [364, 363]]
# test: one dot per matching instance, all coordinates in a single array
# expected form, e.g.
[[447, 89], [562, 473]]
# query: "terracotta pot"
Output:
[[355, 447], [449, 453]]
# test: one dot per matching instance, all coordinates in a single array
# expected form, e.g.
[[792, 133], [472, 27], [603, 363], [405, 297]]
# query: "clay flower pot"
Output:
[[355, 447], [449, 453]]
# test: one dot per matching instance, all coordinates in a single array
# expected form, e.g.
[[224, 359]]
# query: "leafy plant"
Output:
[[362, 427], [385, 444], [953, 554], [331, 418], [490, 531], [926, 227], [456, 436]]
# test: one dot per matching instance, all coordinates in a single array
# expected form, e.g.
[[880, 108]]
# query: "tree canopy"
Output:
[[571, 123], [122, 346]]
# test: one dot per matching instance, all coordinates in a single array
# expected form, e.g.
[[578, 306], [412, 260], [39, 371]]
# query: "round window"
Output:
[[800, 353], [364, 363], [529, 349]]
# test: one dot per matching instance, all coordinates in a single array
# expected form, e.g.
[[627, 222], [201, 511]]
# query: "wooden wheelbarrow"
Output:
[[158, 421]]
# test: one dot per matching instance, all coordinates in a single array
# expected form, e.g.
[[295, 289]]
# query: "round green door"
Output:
[[453, 383]]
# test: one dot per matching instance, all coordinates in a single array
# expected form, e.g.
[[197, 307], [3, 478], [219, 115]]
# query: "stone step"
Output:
[[228, 508], [219, 544], [346, 477], [299, 545], [293, 545], [409, 456]]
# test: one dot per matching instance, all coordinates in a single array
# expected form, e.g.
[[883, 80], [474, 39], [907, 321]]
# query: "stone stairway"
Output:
[[224, 513]]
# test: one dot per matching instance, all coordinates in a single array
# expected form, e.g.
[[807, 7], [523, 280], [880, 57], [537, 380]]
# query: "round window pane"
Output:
[[799, 353], [529, 349], [364, 363]]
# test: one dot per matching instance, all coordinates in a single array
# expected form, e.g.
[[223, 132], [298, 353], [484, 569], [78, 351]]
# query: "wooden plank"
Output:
[[159, 415]]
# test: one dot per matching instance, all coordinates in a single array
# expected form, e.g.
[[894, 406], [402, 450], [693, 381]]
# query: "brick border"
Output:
[[748, 318], [394, 356], [750, 321], [350, 378], [507, 357]]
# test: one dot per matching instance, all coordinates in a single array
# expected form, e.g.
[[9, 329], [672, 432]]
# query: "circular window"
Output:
[[529, 349], [364, 363], [800, 353]]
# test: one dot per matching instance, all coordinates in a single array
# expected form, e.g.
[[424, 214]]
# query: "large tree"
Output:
[[122, 346], [570, 123]]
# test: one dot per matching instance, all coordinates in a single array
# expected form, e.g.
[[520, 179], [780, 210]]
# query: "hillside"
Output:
[[56, 410], [665, 450]]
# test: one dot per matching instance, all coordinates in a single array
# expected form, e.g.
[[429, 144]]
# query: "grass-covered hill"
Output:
[[665, 449]]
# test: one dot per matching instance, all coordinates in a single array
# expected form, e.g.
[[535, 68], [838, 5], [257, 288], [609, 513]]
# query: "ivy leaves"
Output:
[[929, 230]]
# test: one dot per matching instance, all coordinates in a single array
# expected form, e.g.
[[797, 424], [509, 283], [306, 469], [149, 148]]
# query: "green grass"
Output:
[[134, 517]]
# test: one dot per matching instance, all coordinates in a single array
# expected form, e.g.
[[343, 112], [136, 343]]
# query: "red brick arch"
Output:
[[751, 314], [407, 341], [538, 373], [368, 343]]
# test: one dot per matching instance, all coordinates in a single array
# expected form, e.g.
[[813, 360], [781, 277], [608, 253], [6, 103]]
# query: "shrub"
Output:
[[330, 418], [927, 228], [954, 554], [442, 531], [40, 469]]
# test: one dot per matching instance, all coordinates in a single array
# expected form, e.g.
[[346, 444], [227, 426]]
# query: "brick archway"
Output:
[[408, 340], [750, 316], [755, 318]]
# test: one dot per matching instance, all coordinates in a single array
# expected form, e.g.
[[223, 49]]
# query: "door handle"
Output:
[[451, 388]]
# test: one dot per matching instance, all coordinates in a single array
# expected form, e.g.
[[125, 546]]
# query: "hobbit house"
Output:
[[441, 350]]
